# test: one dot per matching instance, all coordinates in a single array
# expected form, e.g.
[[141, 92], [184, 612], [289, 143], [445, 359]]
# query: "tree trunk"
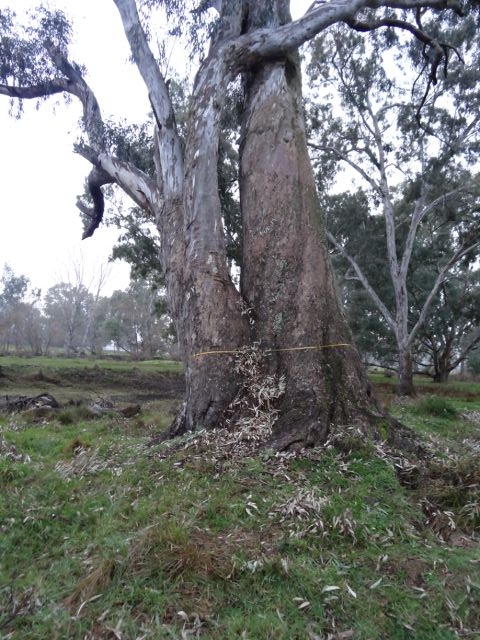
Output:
[[207, 307], [405, 373], [442, 366], [286, 277], [441, 376], [442, 361], [288, 309]]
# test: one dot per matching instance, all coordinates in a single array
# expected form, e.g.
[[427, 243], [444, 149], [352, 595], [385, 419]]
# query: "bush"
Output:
[[435, 406]]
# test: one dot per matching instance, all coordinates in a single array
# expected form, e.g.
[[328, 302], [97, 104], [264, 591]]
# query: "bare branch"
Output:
[[365, 283], [77, 86], [272, 43], [49, 88], [442, 274], [96, 179], [170, 149], [421, 211], [138, 185], [349, 161]]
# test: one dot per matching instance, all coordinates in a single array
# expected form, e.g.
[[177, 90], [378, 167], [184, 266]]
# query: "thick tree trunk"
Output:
[[287, 278], [294, 320], [405, 385]]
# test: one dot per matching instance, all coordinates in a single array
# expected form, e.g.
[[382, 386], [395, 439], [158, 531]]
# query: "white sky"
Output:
[[40, 176]]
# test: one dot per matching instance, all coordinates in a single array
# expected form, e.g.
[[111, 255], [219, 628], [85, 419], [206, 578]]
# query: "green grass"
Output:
[[424, 382], [59, 363], [74, 379], [153, 542], [102, 536]]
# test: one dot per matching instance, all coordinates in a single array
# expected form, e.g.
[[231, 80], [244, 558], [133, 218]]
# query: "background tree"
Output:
[[287, 302], [448, 333], [411, 164], [17, 312], [451, 333], [66, 310], [136, 321]]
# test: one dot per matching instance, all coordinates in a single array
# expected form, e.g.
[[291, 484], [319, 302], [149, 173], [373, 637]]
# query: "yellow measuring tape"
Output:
[[312, 348]]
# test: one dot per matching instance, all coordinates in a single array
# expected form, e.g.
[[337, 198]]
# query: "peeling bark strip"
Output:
[[286, 277]]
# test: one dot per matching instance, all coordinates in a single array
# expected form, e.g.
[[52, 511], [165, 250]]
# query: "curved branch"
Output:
[[96, 179], [440, 50], [267, 43], [442, 274], [92, 118], [137, 184]]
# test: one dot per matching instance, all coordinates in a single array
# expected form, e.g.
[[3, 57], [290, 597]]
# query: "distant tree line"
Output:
[[74, 318]]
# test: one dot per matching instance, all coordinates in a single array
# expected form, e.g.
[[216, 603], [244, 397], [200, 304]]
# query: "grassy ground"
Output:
[[34, 363], [103, 536]]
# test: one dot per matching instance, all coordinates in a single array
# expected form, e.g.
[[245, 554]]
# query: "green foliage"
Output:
[[400, 167], [24, 56], [138, 246], [132, 143], [474, 363], [14, 287]]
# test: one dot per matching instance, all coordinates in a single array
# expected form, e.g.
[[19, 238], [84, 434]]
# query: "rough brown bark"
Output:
[[287, 279]]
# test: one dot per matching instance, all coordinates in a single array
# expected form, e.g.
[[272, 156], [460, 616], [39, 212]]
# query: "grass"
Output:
[[102, 536], [58, 363]]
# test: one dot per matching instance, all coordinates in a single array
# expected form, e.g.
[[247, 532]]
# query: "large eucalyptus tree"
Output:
[[412, 164], [287, 303]]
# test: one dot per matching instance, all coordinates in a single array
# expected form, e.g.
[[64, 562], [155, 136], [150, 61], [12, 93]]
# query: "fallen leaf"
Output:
[[329, 588], [351, 591]]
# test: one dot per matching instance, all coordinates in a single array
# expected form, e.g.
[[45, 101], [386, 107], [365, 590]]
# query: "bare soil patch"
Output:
[[71, 385]]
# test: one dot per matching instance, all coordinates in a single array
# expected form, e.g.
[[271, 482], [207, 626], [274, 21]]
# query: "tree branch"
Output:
[[419, 214], [365, 283], [268, 43], [49, 88], [107, 169], [96, 179], [92, 118], [170, 149], [457, 256], [342, 156]]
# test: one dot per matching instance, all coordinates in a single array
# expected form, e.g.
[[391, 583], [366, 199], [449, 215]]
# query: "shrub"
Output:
[[435, 406]]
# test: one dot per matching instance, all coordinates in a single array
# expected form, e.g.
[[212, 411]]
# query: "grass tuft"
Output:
[[435, 406]]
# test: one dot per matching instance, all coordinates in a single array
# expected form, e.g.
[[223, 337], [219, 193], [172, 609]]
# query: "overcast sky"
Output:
[[40, 176]]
